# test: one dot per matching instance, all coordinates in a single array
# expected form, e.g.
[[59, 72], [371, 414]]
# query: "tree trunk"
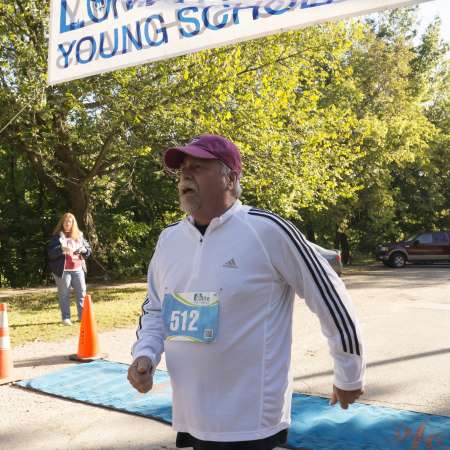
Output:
[[21, 249], [44, 238], [310, 235], [341, 242], [80, 206]]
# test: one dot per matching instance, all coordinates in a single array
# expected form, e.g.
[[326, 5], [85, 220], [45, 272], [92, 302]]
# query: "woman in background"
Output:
[[67, 252]]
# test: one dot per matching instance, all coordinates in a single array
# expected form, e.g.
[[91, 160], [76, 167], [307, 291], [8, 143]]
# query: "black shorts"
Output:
[[187, 440]]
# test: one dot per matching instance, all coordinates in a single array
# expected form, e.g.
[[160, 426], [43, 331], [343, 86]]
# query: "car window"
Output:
[[440, 238], [425, 238]]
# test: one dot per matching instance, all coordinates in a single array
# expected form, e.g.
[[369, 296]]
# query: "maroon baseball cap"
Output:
[[206, 146]]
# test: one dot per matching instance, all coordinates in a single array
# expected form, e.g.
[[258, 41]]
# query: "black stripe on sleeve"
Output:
[[147, 299], [342, 307], [173, 224], [326, 288]]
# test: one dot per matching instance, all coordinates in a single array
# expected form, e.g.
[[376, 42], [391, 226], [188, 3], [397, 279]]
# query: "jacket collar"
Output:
[[219, 221]]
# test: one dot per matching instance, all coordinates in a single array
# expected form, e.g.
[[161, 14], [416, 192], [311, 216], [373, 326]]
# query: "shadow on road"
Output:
[[408, 277], [32, 324], [383, 362], [29, 438], [47, 361]]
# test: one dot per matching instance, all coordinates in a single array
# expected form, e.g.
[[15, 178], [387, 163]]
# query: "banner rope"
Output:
[[22, 110]]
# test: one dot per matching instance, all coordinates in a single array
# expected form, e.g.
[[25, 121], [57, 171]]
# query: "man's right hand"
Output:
[[140, 374]]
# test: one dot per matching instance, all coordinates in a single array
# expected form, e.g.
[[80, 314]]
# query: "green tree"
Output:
[[331, 120], [392, 81]]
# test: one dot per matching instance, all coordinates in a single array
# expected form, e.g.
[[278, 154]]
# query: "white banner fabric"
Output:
[[89, 37]]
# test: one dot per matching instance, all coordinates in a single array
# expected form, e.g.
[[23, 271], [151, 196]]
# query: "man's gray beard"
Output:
[[189, 206]]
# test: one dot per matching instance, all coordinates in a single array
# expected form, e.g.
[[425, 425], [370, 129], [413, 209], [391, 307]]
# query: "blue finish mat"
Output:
[[315, 424]]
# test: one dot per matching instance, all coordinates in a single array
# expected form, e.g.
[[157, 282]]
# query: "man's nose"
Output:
[[185, 173]]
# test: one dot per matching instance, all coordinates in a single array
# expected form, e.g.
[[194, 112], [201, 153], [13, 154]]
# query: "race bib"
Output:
[[191, 316]]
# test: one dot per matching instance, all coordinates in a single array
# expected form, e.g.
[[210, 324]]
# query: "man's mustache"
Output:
[[185, 187]]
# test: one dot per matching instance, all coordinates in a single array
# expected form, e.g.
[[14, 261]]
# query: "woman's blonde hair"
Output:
[[74, 232]]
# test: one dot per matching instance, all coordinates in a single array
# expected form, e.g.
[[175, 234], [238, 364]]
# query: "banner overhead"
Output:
[[89, 37]]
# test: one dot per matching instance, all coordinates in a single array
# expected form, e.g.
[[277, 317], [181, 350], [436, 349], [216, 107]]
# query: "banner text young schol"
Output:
[[88, 37]]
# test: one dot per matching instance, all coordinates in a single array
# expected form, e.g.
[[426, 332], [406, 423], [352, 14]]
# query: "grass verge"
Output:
[[36, 316]]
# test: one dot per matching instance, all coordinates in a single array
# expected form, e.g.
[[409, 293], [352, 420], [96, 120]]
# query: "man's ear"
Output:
[[232, 180]]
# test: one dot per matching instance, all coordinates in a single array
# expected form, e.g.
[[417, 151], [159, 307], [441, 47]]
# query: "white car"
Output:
[[332, 256]]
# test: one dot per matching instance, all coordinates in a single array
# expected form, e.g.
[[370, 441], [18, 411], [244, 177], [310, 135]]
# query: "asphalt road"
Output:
[[405, 317]]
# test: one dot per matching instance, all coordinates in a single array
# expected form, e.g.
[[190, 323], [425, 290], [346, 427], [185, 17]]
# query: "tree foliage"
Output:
[[344, 128]]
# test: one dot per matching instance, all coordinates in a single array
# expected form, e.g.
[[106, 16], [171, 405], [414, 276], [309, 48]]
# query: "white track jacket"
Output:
[[239, 386]]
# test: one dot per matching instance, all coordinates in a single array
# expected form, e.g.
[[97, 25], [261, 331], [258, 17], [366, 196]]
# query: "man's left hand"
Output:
[[344, 398]]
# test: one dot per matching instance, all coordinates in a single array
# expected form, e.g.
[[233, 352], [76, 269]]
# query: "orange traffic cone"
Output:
[[88, 346], [6, 361]]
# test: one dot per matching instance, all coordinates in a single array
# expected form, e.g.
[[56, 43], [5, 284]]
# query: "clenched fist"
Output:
[[345, 398], [140, 374]]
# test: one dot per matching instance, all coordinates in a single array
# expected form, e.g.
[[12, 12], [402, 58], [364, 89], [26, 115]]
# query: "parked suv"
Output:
[[421, 247]]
